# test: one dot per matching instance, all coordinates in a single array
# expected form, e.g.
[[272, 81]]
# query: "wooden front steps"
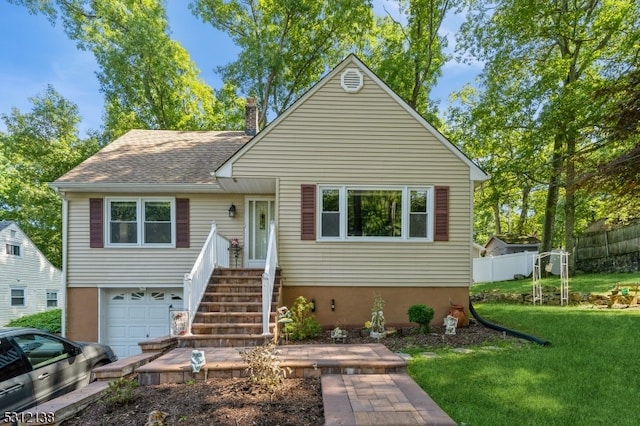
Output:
[[230, 313]]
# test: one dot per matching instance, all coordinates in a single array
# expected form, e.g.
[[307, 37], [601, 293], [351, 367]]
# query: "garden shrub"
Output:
[[303, 324], [421, 314], [119, 392], [50, 321], [264, 366]]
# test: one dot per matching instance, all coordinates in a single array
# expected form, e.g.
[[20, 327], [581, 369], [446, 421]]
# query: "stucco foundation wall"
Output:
[[353, 304], [82, 314]]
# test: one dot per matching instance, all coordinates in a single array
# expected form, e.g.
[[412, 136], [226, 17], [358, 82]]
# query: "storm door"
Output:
[[260, 212]]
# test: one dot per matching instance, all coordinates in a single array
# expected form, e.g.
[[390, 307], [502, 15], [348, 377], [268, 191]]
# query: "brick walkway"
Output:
[[378, 399], [303, 360], [361, 384]]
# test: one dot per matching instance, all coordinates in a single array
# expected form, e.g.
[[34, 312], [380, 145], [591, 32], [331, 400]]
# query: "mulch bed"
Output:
[[236, 402]]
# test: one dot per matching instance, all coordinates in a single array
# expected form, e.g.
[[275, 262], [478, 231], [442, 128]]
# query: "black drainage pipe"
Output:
[[509, 331]]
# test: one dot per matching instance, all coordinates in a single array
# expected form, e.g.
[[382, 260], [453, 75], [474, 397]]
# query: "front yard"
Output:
[[589, 375]]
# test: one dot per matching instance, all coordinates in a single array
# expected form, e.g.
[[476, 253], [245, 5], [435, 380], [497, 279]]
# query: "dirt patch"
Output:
[[215, 402], [236, 402]]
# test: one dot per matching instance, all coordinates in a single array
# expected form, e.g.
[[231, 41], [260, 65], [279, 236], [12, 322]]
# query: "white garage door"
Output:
[[134, 315]]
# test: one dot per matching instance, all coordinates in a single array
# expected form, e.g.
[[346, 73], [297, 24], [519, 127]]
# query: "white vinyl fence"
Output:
[[502, 268]]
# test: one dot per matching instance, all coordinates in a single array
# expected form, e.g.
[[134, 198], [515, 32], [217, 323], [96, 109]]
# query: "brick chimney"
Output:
[[251, 117]]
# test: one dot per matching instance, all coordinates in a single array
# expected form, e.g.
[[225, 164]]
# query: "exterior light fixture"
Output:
[[313, 305], [333, 304], [232, 210]]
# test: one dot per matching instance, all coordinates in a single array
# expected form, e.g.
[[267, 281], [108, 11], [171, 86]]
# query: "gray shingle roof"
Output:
[[5, 223], [158, 157]]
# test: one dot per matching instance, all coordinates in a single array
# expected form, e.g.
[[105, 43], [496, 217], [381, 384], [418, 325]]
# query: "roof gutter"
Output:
[[136, 187]]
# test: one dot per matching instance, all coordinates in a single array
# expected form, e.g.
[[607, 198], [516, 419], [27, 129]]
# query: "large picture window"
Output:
[[141, 222], [393, 213], [374, 213]]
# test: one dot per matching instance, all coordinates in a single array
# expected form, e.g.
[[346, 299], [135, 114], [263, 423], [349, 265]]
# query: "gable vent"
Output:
[[351, 80]]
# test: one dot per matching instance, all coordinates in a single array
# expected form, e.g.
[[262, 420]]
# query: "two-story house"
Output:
[[29, 283]]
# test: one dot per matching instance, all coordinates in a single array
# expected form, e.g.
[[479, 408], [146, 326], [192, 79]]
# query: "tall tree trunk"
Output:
[[552, 194], [570, 203], [524, 208], [570, 170], [496, 218]]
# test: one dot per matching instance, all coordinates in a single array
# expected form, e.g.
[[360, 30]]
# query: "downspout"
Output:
[[65, 218], [506, 330]]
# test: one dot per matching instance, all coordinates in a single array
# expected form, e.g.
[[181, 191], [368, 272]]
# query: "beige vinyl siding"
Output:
[[361, 139], [30, 271], [144, 267], [360, 263]]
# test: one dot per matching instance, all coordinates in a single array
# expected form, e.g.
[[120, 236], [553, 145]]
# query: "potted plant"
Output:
[[235, 248]]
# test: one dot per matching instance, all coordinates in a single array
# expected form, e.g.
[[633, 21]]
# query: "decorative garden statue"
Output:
[[377, 317], [450, 324], [197, 360]]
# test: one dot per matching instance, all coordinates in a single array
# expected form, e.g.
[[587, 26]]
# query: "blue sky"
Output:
[[34, 53]]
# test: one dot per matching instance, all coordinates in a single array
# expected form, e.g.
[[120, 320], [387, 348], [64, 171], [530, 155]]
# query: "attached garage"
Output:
[[131, 315]]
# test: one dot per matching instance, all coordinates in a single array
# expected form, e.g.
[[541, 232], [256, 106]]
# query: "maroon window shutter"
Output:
[[441, 226], [182, 222], [96, 222], [308, 212]]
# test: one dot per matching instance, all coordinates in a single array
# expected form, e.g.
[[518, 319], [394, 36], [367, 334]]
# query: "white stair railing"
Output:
[[214, 253], [268, 277]]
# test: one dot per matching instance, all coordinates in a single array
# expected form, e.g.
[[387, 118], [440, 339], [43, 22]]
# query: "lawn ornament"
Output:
[[197, 360], [450, 324]]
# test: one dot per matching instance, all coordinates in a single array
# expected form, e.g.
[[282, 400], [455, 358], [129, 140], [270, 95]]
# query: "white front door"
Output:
[[260, 212], [133, 315]]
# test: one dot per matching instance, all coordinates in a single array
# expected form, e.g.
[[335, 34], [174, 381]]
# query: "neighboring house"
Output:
[[29, 283], [508, 244], [477, 250], [367, 196]]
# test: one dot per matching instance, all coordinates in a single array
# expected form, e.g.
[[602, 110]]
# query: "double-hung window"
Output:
[[12, 249], [141, 222], [419, 213], [330, 216], [18, 297], [384, 213], [52, 299]]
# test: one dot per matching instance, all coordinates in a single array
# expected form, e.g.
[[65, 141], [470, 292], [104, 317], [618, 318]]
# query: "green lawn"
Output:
[[590, 375], [590, 283]]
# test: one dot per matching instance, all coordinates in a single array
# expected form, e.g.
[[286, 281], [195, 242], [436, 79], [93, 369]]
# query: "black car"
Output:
[[36, 366]]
